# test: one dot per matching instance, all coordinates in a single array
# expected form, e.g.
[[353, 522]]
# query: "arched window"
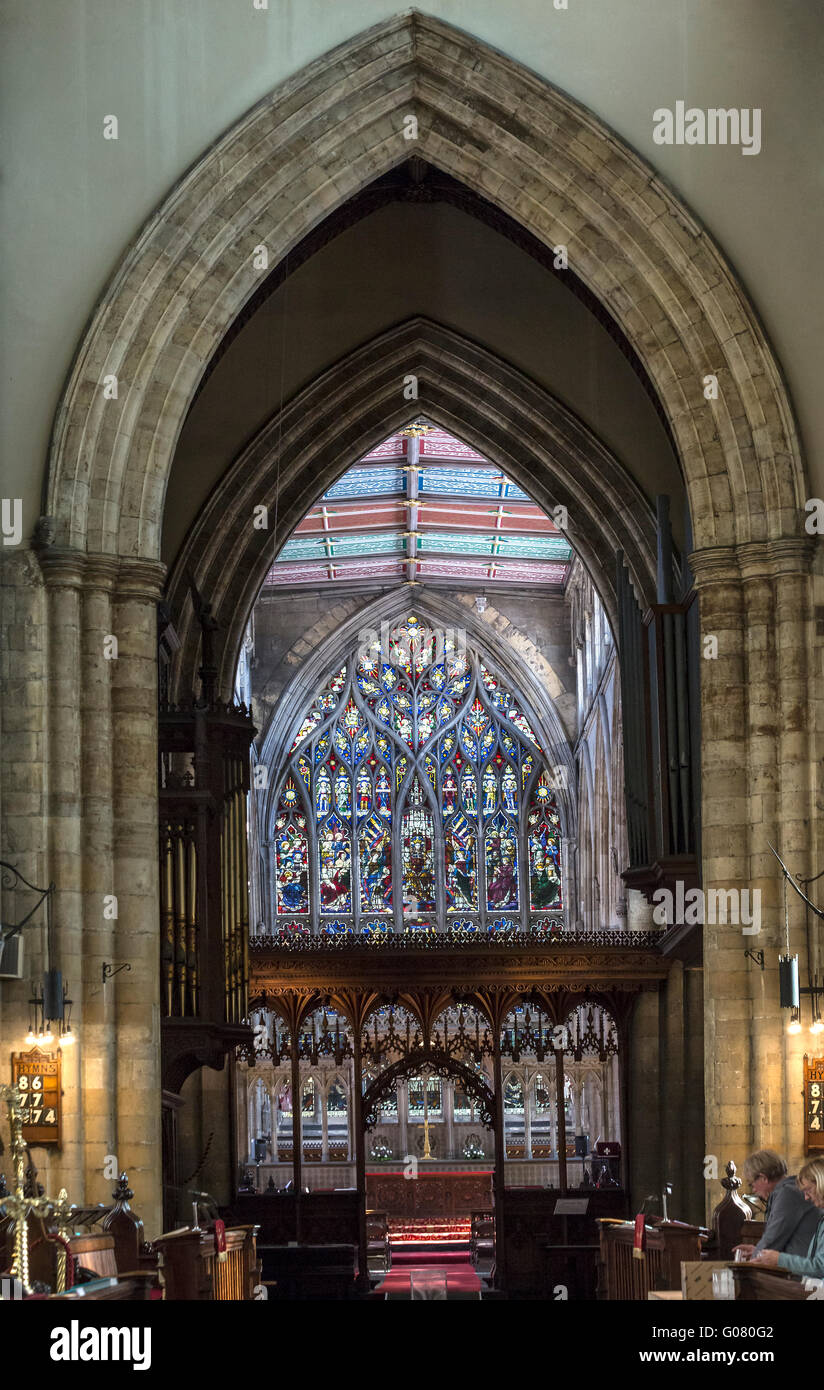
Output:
[[425, 1097], [415, 796]]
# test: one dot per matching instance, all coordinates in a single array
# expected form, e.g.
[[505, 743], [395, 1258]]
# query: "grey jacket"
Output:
[[791, 1220]]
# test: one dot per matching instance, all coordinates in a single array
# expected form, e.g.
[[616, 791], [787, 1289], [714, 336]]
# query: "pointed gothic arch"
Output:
[[562, 174], [439, 1063], [491, 123], [301, 451]]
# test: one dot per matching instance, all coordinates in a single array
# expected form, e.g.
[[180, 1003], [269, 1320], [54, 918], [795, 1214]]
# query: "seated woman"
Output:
[[811, 1182]]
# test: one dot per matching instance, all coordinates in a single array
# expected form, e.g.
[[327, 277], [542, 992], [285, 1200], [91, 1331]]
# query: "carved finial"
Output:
[[123, 1193], [731, 1183]]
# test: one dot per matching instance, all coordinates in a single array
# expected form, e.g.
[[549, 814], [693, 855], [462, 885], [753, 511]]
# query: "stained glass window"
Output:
[[415, 796], [291, 853], [433, 1097], [336, 1101], [544, 849]]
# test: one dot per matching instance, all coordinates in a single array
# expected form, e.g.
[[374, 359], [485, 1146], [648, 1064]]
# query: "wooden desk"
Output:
[[309, 1271], [753, 1284], [326, 1218], [666, 1246], [192, 1271], [542, 1249]]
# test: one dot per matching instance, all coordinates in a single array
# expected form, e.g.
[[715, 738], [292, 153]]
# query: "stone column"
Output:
[[242, 1114], [576, 1099], [796, 821], [135, 880], [63, 572], [606, 1115], [569, 880], [725, 825], [23, 782], [758, 778], [98, 771], [324, 1124], [99, 1039], [274, 1090], [403, 1117], [639, 1098], [527, 1113], [448, 1098]]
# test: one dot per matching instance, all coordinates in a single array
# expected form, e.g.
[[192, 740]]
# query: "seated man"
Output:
[[811, 1184], [790, 1221]]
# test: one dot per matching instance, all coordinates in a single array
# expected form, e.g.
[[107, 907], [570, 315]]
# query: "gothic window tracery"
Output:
[[415, 796]]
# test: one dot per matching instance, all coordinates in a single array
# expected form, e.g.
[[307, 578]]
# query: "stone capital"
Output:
[[62, 566], [67, 567], [143, 580], [732, 564]]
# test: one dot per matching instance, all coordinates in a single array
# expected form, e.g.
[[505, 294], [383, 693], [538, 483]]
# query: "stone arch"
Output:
[[485, 119], [353, 406]]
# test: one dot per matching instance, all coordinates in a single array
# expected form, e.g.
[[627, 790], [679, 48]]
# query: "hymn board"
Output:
[[37, 1077], [814, 1102]]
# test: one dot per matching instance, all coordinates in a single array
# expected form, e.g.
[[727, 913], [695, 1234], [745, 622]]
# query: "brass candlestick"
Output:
[[427, 1151], [17, 1204]]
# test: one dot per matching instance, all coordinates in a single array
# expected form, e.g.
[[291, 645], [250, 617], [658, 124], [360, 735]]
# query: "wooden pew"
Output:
[[138, 1288], [131, 1251], [732, 1222], [116, 1249]]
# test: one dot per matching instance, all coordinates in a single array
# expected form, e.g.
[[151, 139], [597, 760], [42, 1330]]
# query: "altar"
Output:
[[439, 1189]]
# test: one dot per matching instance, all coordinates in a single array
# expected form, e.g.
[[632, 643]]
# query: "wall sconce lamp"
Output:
[[790, 992], [49, 1003]]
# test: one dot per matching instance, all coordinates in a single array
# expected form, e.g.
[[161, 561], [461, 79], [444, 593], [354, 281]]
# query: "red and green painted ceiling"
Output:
[[424, 507]]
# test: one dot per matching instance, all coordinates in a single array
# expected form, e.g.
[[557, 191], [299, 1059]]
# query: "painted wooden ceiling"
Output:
[[423, 507]]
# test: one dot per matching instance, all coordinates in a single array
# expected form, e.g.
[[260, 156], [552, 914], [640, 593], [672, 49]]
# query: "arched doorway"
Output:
[[678, 303]]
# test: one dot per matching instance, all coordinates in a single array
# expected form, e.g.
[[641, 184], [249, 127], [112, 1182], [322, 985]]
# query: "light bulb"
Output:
[[794, 1027], [31, 1040], [67, 1038], [48, 1037], [817, 1026]]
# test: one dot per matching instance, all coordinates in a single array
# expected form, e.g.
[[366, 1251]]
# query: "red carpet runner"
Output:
[[438, 1244]]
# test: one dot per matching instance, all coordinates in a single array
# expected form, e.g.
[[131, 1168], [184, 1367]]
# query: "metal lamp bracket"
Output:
[[111, 970]]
